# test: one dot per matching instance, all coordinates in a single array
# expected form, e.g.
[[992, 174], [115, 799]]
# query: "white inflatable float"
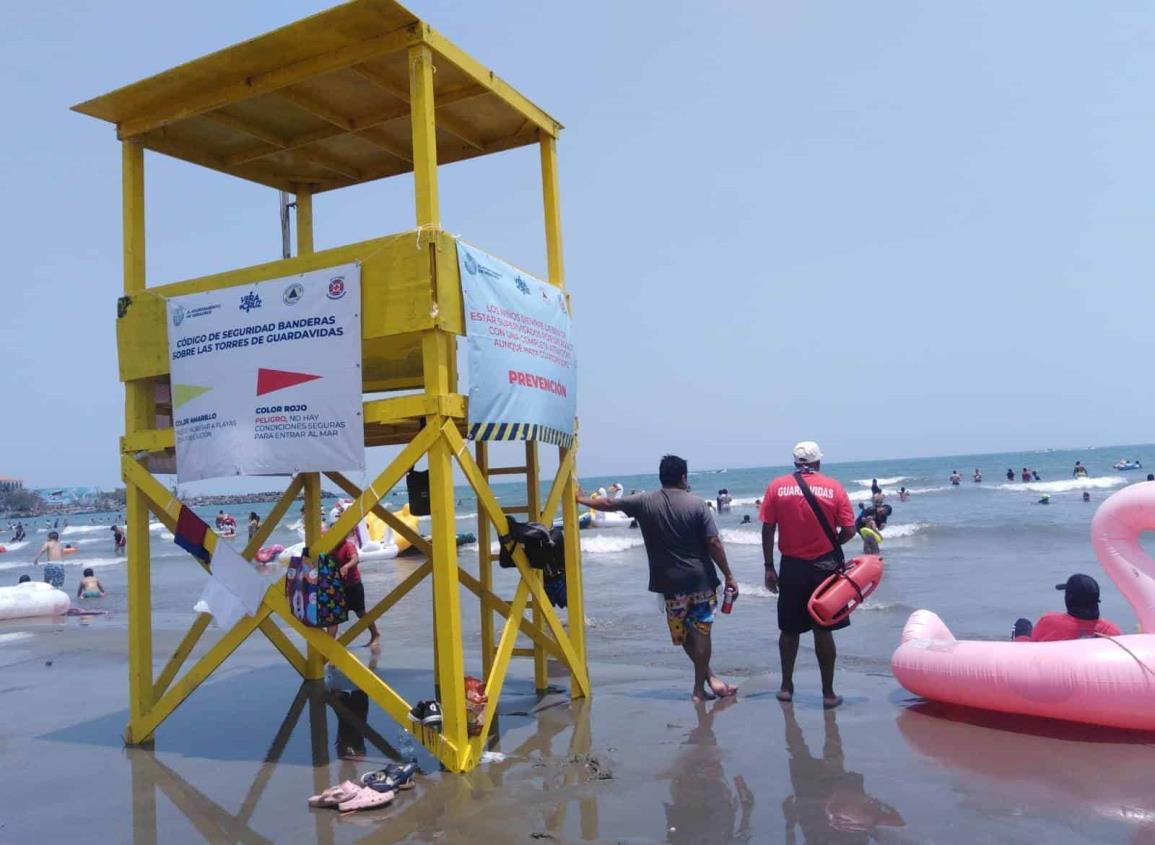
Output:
[[34, 598]]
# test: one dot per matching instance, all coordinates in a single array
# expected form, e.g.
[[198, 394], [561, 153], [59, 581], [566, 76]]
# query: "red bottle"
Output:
[[728, 598]]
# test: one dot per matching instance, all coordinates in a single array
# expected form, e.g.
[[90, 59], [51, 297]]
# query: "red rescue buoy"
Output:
[[842, 592]]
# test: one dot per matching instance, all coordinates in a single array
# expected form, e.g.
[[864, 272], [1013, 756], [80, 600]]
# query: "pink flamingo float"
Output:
[[1101, 681]]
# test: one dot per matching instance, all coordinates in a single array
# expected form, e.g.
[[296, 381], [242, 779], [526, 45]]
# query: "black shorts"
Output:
[[355, 598], [797, 581]]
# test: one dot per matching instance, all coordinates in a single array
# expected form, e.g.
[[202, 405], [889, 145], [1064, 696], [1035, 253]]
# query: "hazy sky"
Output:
[[900, 228]]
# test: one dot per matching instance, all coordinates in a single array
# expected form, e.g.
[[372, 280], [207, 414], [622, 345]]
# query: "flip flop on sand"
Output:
[[366, 798], [334, 795]]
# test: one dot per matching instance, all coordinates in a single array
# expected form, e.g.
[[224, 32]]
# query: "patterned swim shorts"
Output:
[[54, 575], [695, 609]]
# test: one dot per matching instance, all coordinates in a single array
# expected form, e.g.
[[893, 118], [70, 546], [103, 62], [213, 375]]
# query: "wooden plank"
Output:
[[423, 122], [265, 83], [448, 122], [496, 679], [488, 79]]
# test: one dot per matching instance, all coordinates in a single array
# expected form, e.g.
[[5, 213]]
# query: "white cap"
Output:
[[807, 452]]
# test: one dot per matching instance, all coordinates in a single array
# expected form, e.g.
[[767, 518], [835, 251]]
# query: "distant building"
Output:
[[9, 485]]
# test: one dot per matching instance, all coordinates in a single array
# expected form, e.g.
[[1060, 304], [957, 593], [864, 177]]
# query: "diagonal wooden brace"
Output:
[[393, 473], [385, 515]]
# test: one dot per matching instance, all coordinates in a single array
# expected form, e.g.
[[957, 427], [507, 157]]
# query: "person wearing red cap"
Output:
[[1081, 621], [811, 550]]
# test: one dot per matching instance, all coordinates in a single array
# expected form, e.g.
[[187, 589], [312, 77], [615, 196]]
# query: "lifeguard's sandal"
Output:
[[391, 778], [426, 713]]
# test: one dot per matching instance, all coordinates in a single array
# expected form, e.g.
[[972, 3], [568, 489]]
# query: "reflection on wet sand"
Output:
[[473, 807], [703, 807], [829, 804], [1042, 767]]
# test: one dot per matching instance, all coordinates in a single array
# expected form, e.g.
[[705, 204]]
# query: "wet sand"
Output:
[[637, 763]]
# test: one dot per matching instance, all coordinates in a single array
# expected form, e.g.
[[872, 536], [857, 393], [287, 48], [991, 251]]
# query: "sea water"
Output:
[[980, 555]]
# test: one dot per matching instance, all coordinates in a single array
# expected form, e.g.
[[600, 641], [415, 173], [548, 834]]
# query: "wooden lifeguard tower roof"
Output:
[[322, 103]]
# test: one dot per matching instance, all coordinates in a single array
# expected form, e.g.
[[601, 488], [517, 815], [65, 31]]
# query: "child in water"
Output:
[[90, 586], [871, 539]]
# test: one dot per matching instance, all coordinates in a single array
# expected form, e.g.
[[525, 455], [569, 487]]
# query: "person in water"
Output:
[[903, 494], [874, 488], [1151, 476], [683, 549], [20, 535], [978, 476], [1010, 474], [1086, 496], [955, 478], [1080, 470], [745, 520], [254, 523], [879, 513], [1035, 475], [1026, 475], [24, 579], [89, 586], [1080, 622], [724, 500], [871, 539], [118, 539], [54, 568]]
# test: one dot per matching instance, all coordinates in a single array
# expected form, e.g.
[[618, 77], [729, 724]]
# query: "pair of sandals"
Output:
[[371, 791], [349, 797]]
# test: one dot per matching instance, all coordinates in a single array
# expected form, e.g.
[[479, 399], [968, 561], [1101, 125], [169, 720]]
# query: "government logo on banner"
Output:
[[522, 369]]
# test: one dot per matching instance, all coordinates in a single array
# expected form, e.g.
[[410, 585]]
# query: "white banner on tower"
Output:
[[266, 378]]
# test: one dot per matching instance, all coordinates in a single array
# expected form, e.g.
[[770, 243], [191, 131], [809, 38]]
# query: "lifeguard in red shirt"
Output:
[[810, 553], [1081, 621]]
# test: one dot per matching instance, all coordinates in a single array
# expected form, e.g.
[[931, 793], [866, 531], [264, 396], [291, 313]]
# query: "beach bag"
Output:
[[533, 537], [331, 607], [301, 591], [417, 484]]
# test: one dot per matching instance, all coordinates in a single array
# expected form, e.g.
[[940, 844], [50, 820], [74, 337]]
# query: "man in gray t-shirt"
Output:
[[683, 547]]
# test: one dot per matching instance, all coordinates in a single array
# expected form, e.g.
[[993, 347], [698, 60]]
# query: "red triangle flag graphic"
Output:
[[271, 380]]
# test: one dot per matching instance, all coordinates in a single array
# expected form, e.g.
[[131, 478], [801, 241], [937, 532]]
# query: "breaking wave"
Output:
[[1105, 482]]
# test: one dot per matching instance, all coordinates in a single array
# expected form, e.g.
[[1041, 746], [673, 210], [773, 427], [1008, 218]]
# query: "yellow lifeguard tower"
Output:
[[361, 92]]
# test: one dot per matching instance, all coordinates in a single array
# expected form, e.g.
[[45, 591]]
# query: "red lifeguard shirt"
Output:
[[1054, 627], [799, 534]]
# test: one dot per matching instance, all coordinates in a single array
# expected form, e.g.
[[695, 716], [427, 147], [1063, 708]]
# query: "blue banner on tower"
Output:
[[522, 369]]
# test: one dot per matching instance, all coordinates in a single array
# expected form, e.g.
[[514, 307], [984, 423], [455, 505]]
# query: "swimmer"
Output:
[[118, 539], [978, 476], [871, 539], [955, 478], [1010, 474], [89, 586], [1026, 475], [745, 520], [1035, 475], [903, 494], [54, 568], [1150, 477], [1086, 496], [1080, 470]]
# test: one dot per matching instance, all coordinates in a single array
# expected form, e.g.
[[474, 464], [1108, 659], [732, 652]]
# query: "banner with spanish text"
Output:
[[522, 369], [266, 378]]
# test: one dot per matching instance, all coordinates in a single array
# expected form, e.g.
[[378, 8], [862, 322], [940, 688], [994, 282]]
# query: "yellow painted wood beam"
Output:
[[406, 408], [497, 604], [486, 500], [143, 727], [367, 680], [552, 203], [329, 162], [183, 649], [387, 516], [139, 414], [484, 568], [488, 79], [575, 591], [382, 607], [557, 489], [533, 503], [148, 440], [495, 681], [267, 83], [424, 125], [373, 494], [276, 515]]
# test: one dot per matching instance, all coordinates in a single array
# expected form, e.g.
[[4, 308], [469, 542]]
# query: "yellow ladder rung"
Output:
[[523, 652], [517, 509], [507, 470]]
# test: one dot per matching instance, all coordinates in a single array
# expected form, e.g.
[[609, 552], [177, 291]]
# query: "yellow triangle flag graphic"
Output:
[[182, 393]]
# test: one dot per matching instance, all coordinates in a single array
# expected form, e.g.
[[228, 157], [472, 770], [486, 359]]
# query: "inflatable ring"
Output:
[[869, 534]]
